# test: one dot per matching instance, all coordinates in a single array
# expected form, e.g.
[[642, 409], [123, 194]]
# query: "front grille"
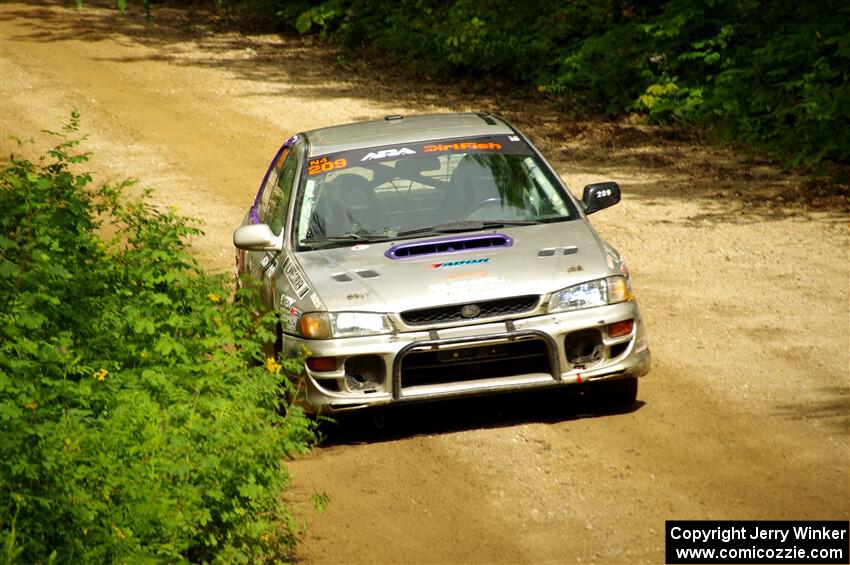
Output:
[[488, 309], [479, 362]]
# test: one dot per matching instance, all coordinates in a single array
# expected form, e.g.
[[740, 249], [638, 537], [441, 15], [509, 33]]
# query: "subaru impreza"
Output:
[[424, 257]]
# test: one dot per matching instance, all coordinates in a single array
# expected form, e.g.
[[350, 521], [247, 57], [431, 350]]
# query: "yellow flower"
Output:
[[213, 297], [31, 405], [265, 538], [273, 366], [100, 374]]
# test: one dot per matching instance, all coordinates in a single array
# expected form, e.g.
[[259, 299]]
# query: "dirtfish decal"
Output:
[[460, 263]]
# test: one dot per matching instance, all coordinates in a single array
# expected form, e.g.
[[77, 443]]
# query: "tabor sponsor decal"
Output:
[[460, 263]]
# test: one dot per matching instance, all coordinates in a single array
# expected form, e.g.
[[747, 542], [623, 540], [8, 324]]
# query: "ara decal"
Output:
[[387, 153]]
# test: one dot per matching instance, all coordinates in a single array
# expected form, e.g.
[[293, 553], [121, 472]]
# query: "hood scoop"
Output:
[[452, 244]]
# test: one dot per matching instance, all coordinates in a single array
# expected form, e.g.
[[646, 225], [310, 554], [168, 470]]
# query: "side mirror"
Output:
[[599, 196], [256, 237]]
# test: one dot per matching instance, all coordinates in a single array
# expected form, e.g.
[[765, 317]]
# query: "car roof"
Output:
[[398, 130]]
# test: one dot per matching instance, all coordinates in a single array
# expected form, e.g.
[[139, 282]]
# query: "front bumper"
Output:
[[463, 351]]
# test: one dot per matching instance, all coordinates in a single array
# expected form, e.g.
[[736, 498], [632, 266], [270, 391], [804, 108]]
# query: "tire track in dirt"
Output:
[[745, 414]]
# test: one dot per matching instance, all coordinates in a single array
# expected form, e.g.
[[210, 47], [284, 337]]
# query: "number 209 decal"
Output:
[[324, 165]]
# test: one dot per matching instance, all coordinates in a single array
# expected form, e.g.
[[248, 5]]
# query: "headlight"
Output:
[[590, 294], [324, 325]]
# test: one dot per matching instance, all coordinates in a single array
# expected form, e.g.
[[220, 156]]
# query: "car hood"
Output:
[[540, 259]]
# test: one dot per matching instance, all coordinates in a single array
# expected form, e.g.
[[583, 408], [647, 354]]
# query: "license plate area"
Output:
[[458, 355], [484, 361]]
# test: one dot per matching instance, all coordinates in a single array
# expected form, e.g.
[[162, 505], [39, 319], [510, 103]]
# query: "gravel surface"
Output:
[[745, 415]]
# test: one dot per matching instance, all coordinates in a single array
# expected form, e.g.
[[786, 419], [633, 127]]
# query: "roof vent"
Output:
[[454, 244], [393, 117]]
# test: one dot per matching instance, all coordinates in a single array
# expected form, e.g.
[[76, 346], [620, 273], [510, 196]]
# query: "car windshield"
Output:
[[405, 191]]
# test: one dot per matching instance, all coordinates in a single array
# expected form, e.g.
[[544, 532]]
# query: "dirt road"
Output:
[[745, 415]]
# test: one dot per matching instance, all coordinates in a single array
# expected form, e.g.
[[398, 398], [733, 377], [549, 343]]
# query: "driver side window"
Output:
[[278, 190]]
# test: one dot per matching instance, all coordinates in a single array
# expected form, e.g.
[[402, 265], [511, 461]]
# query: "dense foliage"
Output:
[[138, 418], [772, 73]]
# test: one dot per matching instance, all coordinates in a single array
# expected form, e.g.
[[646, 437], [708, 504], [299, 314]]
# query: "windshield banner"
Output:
[[509, 144]]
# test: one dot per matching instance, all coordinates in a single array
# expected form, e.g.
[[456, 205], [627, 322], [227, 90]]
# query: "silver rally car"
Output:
[[436, 256]]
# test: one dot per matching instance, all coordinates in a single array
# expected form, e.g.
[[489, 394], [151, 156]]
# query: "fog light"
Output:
[[583, 347], [621, 328], [321, 363], [364, 372]]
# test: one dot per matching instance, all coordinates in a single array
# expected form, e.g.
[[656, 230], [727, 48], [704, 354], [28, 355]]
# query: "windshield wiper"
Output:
[[501, 223], [469, 225], [346, 238]]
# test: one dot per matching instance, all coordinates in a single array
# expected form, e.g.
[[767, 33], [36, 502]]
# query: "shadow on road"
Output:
[[831, 410], [457, 415], [659, 162]]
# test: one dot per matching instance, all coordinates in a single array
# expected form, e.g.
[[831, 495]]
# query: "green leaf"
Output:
[[32, 320], [304, 22], [8, 269], [164, 346]]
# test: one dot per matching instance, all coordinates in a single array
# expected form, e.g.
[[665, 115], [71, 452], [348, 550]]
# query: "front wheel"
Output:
[[621, 392]]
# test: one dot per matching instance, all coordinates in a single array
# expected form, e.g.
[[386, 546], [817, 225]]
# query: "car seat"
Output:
[[473, 183], [347, 204]]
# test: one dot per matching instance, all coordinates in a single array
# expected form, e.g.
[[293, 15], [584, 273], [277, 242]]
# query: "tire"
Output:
[[621, 392], [277, 348]]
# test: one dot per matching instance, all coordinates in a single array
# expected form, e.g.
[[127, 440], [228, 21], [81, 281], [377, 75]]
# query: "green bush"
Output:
[[773, 74], [138, 419]]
